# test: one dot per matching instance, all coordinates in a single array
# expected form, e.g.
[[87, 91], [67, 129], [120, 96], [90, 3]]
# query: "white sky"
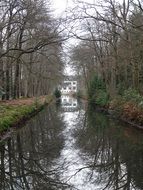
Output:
[[59, 7]]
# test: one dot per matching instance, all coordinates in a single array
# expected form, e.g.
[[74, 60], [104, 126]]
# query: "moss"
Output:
[[11, 115]]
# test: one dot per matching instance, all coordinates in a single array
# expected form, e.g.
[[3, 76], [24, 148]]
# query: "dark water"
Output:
[[71, 147]]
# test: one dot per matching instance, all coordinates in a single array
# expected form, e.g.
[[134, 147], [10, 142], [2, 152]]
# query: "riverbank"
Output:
[[16, 112], [127, 110], [130, 112]]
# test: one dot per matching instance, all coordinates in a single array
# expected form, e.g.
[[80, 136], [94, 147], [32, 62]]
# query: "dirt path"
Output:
[[23, 101]]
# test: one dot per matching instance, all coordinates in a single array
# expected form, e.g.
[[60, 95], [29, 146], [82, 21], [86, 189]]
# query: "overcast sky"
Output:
[[61, 5]]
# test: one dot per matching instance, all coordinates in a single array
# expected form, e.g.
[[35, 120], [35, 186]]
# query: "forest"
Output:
[[79, 141], [111, 44], [106, 52], [109, 55], [30, 48]]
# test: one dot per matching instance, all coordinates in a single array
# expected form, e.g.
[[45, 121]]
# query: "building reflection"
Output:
[[84, 150], [69, 104]]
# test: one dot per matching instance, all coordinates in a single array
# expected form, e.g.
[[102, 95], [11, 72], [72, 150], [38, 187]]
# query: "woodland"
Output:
[[107, 53], [30, 48]]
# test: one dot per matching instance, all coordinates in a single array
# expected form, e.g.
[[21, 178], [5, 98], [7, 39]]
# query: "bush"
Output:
[[57, 93], [97, 92], [132, 95], [101, 98], [117, 104], [95, 84], [37, 102]]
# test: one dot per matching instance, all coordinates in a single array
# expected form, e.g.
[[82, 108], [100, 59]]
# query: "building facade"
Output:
[[69, 86]]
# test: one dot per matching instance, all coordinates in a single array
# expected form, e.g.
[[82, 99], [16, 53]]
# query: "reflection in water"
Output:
[[27, 156], [68, 104], [67, 149]]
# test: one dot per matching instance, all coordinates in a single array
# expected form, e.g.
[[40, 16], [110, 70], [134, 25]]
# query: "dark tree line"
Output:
[[30, 48], [111, 43]]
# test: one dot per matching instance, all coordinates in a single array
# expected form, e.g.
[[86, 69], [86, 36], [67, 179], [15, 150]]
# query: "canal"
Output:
[[70, 146]]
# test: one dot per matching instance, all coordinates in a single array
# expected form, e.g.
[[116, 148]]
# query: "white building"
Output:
[[69, 87]]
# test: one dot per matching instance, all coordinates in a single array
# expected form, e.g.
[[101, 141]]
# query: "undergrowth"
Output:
[[12, 114], [129, 106]]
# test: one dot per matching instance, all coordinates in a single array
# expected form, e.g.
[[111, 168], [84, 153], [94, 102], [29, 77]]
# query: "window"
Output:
[[67, 83]]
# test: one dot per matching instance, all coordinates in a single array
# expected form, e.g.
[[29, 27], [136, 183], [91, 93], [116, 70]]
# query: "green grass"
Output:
[[11, 115]]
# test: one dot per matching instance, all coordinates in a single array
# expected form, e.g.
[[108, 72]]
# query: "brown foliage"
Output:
[[132, 112]]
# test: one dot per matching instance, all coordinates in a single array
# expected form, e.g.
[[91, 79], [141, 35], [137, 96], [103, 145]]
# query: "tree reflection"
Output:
[[113, 154], [55, 147], [27, 159]]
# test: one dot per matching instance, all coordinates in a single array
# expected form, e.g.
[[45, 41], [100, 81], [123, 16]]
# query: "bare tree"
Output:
[[30, 38]]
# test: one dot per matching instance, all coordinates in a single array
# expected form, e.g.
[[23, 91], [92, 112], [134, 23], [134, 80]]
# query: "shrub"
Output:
[[95, 84], [97, 92], [48, 99], [101, 98], [132, 95], [57, 93], [37, 102]]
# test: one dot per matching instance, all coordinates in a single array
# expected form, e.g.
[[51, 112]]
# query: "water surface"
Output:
[[70, 146]]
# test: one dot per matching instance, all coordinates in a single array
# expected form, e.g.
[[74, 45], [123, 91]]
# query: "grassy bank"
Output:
[[127, 106], [14, 112]]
